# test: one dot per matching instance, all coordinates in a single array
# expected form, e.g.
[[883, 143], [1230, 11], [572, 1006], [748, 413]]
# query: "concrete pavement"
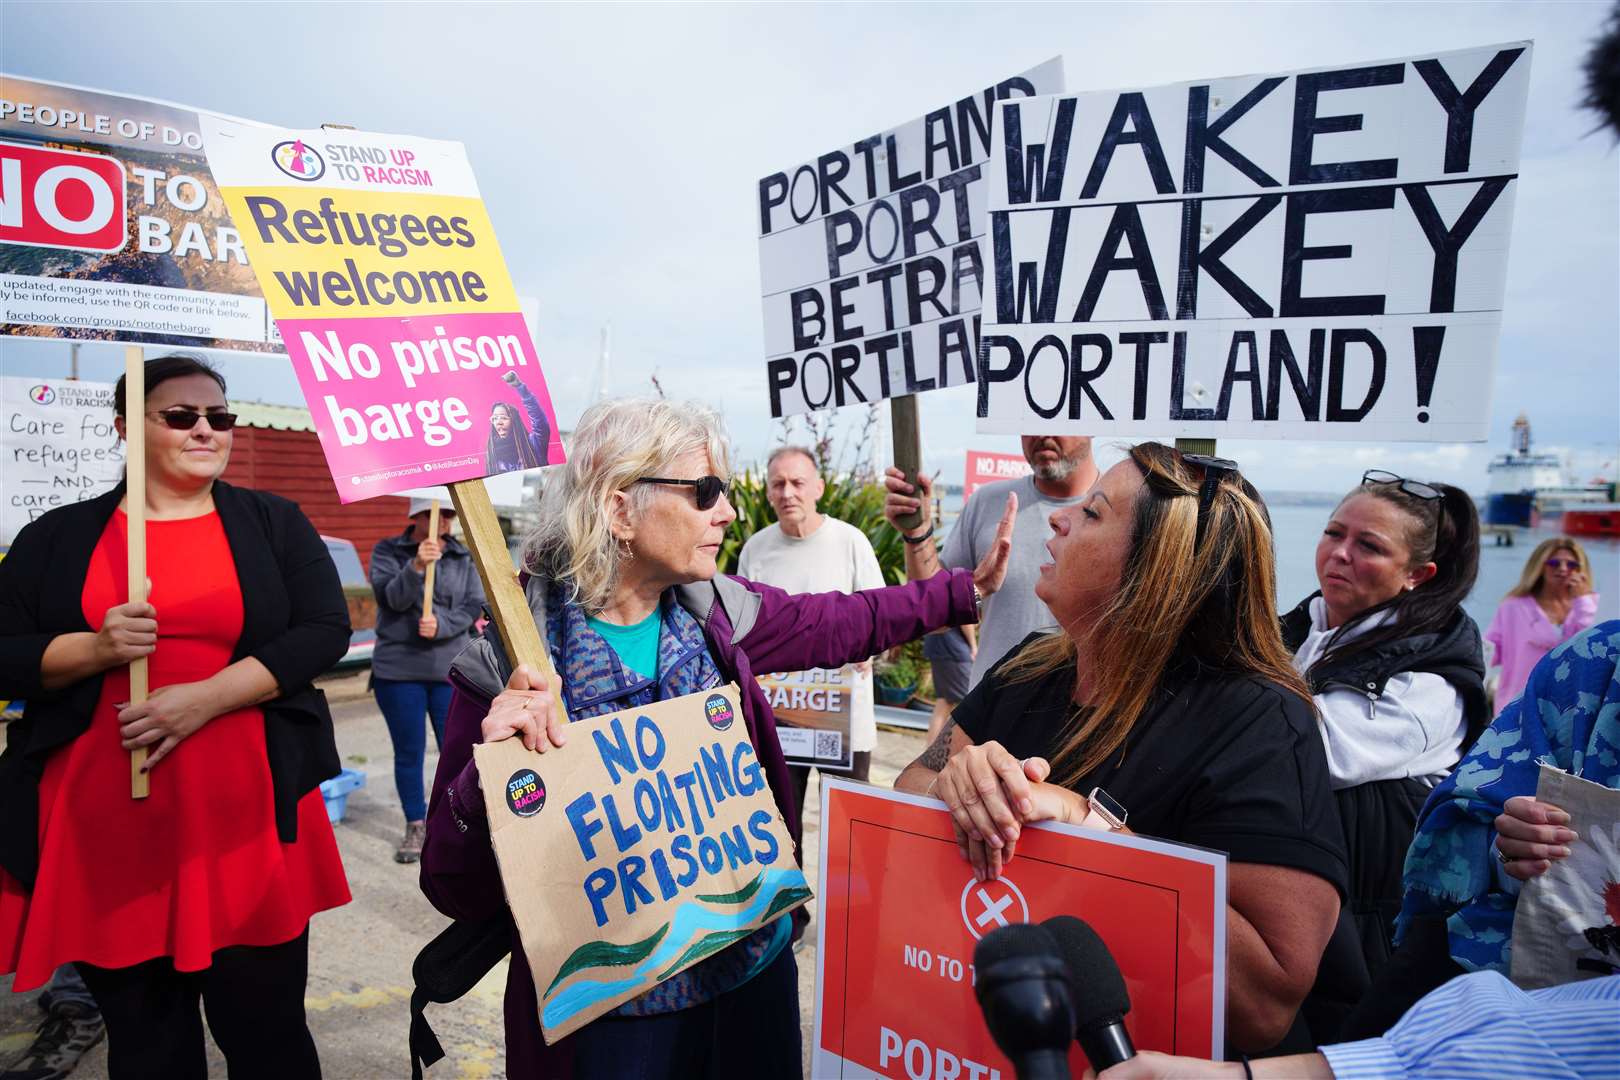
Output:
[[360, 954]]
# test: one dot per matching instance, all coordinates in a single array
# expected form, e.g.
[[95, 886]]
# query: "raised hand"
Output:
[[992, 569]]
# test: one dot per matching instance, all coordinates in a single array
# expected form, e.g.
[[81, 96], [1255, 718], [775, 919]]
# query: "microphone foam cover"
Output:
[[1096, 988], [1016, 940]]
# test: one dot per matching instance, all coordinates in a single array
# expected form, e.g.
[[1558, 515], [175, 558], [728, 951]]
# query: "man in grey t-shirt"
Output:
[[1064, 472]]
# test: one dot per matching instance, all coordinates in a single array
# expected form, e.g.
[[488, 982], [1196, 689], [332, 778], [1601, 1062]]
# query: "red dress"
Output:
[[197, 865]]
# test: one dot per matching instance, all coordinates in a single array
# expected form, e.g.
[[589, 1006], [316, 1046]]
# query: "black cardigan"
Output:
[[295, 621]]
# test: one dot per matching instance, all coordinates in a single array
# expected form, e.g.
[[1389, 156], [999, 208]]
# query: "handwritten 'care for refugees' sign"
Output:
[[1320, 254]]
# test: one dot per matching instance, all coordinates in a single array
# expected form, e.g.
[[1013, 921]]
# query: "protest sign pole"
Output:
[[135, 513], [427, 578], [482, 533], [908, 451]]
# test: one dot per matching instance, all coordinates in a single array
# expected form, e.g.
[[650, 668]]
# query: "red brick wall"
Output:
[[290, 464]]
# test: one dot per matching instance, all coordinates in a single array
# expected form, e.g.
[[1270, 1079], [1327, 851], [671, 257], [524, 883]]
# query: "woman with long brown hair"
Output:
[[1166, 696], [1554, 600]]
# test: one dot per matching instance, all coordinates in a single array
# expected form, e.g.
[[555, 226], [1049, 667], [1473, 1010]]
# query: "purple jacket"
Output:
[[748, 627]]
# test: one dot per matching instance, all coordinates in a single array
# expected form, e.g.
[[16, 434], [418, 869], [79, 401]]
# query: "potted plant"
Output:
[[896, 678]]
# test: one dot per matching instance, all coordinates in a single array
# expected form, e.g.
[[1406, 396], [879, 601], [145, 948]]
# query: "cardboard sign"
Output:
[[812, 715], [986, 468], [1567, 923], [1318, 254], [114, 228], [900, 914], [648, 843], [869, 257], [383, 273], [57, 446]]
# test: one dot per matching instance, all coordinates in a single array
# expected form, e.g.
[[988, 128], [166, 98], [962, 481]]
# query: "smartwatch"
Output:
[[1105, 812]]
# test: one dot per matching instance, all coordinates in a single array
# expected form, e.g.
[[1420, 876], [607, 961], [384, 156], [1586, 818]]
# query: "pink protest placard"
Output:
[[381, 267]]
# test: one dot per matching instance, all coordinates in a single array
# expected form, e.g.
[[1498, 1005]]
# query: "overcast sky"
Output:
[[618, 147]]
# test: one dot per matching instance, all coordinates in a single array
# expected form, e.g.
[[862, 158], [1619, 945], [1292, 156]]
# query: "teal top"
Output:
[[635, 645]]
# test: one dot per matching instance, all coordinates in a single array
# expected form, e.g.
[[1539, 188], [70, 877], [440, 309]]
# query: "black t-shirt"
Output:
[[1230, 762]]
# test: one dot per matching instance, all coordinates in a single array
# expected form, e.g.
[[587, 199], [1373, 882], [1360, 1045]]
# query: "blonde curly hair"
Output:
[[616, 443]]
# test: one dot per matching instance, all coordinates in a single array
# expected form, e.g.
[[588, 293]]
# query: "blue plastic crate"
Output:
[[336, 792]]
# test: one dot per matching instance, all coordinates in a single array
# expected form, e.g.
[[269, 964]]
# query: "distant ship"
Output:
[[1525, 486]]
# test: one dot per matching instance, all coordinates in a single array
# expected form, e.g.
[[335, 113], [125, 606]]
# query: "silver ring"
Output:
[[1502, 857]]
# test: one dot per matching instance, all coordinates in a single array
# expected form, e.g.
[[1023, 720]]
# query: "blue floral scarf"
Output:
[[1568, 717]]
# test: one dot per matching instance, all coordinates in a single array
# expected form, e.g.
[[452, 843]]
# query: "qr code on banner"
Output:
[[829, 746]]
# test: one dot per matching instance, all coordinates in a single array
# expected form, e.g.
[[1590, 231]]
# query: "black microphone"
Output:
[[1097, 991], [1023, 991]]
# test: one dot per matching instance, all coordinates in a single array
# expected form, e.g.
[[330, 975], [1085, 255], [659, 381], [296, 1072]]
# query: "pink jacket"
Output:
[[1521, 634]]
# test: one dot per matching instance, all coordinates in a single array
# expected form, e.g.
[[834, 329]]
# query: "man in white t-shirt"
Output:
[[1064, 472], [806, 552]]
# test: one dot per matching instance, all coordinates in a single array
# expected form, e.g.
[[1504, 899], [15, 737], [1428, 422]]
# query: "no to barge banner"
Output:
[[111, 226], [1318, 254], [383, 273], [648, 843], [900, 913], [812, 710], [870, 261]]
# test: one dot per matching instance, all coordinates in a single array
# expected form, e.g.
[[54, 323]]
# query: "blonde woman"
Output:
[[1553, 601], [622, 584], [1168, 697]]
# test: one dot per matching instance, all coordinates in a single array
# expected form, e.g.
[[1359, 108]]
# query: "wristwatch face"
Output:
[[1108, 806]]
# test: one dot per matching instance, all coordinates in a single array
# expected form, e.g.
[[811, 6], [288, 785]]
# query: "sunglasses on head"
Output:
[[1215, 468], [708, 488], [186, 419], [1415, 488]]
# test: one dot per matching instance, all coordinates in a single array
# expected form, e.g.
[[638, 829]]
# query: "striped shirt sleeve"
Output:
[[1481, 1025]]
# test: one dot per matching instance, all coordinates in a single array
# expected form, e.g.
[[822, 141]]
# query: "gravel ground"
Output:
[[360, 954]]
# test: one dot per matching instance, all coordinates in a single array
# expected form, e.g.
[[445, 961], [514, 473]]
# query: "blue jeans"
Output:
[[404, 705], [748, 1033]]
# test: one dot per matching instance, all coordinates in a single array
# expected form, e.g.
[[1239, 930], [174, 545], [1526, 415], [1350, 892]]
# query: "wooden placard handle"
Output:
[[482, 534], [427, 577], [135, 513], [908, 452]]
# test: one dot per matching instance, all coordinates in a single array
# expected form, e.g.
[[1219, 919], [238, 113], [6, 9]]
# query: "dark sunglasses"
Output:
[[1564, 564], [186, 419], [709, 488], [1215, 469], [1415, 488]]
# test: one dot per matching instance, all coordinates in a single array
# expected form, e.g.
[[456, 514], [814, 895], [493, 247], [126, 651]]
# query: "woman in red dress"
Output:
[[204, 889]]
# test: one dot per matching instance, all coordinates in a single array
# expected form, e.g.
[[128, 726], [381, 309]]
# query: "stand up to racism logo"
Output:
[[298, 160]]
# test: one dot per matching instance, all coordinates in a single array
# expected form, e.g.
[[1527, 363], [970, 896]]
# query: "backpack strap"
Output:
[[445, 970]]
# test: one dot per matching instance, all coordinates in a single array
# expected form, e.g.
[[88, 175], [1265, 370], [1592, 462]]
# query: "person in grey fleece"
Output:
[[410, 667]]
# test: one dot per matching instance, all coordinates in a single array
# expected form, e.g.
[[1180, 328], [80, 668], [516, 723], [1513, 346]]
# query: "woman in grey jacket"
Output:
[[410, 668]]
